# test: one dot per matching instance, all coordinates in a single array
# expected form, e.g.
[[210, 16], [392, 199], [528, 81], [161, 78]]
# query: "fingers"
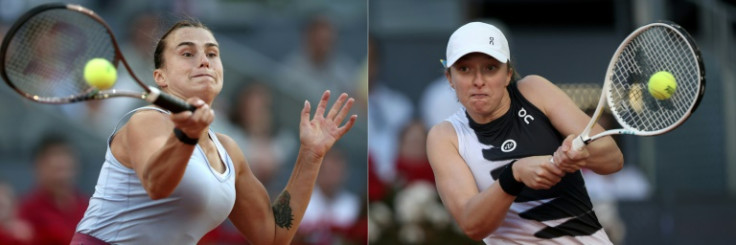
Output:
[[184, 115], [345, 128], [193, 123], [344, 111], [305, 112], [337, 106], [568, 159], [322, 104], [550, 167], [203, 115], [337, 112]]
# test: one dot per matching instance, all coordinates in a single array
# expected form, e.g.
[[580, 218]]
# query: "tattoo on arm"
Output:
[[282, 211]]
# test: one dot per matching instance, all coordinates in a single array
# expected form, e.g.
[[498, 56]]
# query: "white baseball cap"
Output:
[[477, 37]]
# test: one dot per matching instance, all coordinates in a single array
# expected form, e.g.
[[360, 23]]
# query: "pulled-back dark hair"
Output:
[[158, 58]]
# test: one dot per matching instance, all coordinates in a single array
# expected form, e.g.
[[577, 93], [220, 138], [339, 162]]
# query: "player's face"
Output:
[[480, 83], [192, 65]]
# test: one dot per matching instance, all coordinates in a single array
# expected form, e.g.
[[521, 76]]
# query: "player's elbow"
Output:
[[477, 231], [156, 193], [475, 236]]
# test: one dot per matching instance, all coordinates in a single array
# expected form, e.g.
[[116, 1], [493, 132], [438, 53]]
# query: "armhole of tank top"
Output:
[[457, 126], [224, 157]]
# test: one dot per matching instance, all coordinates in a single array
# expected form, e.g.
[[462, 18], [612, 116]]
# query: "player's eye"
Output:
[[491, 67], [212, 54], [463, 68], [186, 54]]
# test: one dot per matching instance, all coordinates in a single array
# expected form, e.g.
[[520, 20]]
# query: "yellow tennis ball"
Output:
[[662, 85], [100, 73]]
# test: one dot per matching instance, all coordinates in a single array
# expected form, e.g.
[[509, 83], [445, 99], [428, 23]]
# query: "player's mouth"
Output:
[[203, 75]]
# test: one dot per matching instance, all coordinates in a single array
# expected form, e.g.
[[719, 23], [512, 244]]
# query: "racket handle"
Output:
[[168, 102], [578, 143]]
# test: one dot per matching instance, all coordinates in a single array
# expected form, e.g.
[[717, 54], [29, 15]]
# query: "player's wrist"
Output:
[[183, 138], [508, 182]]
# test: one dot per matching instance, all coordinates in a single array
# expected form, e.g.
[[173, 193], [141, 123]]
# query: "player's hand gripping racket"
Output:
[[662, 46], [44, 53]]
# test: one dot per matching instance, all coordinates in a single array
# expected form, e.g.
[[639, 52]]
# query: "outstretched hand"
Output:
[[321, 132]]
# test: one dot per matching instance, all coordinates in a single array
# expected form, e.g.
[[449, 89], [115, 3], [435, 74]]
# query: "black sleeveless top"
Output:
[[525, 131]]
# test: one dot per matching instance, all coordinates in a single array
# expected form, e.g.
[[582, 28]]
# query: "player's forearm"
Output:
[[485, 212], [290, 205], [164, 169], [605, 156]]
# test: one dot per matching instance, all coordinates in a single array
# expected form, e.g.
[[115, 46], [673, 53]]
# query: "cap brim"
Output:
[[484, 50]]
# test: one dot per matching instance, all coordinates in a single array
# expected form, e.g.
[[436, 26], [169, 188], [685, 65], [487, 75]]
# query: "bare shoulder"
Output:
[[146, 129], [233, 150], [441, 139], [145, 125], [227, 142], [441, 132], [540, 91], [150, 118], [534, 84]]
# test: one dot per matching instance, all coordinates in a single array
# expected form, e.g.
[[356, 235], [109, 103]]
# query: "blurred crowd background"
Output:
[[678, 188], [276, 54]]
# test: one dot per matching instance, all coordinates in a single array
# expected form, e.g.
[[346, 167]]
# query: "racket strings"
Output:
[[658, 48], [47, 54]]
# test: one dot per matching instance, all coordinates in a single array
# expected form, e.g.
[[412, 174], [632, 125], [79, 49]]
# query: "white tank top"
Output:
[[561, 215], [120, 211]]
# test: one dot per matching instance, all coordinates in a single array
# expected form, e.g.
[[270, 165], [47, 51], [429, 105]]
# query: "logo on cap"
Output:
[[491, 42]]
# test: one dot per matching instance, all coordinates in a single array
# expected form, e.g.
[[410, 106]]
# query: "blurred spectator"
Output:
[[412, 163], [389, 110], [377, 189], [139, 46], [434, 104], [267, 145], [332, 210], [318, 65], [13, 230], [55, 206]]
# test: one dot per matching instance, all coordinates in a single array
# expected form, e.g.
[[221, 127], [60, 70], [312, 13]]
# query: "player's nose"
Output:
[[204, 61]]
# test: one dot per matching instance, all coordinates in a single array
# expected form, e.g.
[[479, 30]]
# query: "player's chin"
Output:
[[207, 86], [479, 104]]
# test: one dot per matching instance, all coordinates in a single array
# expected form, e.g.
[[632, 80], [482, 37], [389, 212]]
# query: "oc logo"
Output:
[[523, 114]]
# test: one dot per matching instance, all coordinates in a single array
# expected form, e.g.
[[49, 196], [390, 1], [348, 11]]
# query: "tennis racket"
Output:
[[43, 55], [661, 46]]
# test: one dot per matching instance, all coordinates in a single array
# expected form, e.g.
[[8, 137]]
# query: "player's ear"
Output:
[[449, 78], [510, 74], [160, 78]]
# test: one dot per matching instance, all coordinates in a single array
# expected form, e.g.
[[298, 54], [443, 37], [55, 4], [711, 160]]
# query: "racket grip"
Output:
[[168, 102], [578, 143]]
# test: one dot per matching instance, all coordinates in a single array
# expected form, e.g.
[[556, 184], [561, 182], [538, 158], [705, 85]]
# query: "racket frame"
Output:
[[605, 100], [150, 94]]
